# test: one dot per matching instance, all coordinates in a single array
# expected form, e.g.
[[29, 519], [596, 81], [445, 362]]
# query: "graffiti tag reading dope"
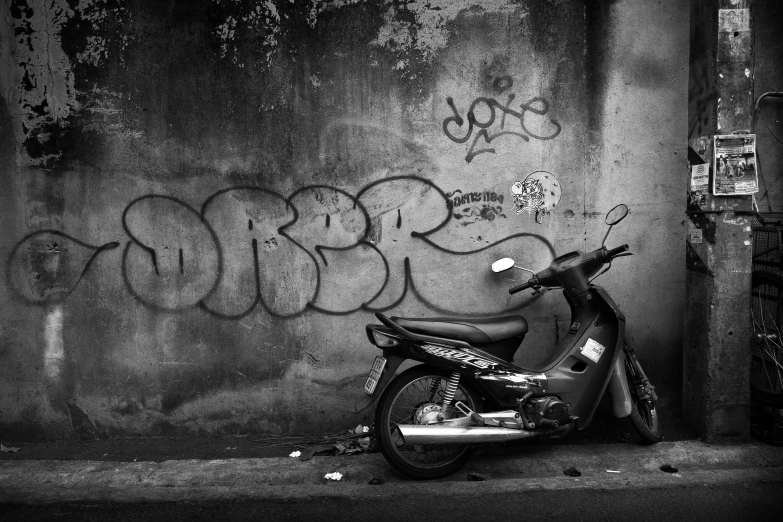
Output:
[[456, 355], [538, 106]]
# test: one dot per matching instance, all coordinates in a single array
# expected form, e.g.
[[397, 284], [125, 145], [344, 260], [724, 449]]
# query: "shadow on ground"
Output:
[[604, 429]]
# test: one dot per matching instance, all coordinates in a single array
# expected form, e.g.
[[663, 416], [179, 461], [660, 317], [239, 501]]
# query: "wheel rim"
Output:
[[415, 400], [644, 407], [648, 414]]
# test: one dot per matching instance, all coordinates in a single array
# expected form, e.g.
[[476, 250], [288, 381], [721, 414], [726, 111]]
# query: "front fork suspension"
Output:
[[644, 389]]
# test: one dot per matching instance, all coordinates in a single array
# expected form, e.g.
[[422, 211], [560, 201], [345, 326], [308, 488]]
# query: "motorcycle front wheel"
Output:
[[416, 397], [644, 413]]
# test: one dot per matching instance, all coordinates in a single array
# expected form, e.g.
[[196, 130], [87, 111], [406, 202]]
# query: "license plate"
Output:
[[375, 374]]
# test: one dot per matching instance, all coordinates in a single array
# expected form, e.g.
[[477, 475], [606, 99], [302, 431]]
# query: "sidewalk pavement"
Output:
[[514, 469]]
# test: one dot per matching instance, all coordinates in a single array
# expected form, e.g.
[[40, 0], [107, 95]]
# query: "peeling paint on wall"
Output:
[[418, 26], [264, 23], [427, 32], [46, 97], [261, 19], [98, 19]]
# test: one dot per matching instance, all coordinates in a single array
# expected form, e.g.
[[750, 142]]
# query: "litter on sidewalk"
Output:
[[346, 443]]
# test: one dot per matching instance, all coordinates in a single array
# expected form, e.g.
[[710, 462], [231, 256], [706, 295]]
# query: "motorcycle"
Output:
[[468, 390]]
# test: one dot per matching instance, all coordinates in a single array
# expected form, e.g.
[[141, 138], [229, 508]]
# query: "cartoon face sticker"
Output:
[[540, 192]]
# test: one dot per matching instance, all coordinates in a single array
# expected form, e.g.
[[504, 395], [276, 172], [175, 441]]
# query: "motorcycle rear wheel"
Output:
[[406, 396], [644, 413]]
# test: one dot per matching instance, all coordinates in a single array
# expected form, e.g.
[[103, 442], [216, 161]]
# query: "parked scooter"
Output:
[[469, 391]]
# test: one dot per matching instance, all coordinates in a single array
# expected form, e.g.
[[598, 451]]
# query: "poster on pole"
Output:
[[735, 165], [700, 184]]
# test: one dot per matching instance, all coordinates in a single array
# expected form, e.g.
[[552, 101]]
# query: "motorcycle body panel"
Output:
[[578, 373], [581, 376]]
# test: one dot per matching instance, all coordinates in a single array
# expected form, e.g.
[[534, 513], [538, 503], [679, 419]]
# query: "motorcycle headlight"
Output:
[[384, 340]]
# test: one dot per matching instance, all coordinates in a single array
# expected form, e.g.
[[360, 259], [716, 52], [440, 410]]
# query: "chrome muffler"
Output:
[[413, 434]]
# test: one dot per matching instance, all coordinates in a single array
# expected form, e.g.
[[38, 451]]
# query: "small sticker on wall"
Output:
[[696, 235], [539, 192], [593, 350]]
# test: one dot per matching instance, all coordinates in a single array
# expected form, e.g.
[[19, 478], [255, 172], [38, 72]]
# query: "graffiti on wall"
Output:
[[313, 250], [483, 114], [470, 207], [539, 192], [51, 276]]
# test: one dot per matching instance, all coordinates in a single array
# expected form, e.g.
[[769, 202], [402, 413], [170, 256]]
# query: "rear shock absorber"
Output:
[[448, 396], [434, 387]]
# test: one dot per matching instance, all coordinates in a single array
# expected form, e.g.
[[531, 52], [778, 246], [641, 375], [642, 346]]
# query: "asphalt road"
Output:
[[750, 501]]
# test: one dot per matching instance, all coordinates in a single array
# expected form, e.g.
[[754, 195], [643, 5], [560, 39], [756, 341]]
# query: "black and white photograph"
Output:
[[391, 260]]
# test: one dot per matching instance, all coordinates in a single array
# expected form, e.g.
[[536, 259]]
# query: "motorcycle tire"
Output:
[[409, 395], [644, 413]]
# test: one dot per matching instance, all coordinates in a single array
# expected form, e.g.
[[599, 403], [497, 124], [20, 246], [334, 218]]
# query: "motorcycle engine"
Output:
[[547, 412]]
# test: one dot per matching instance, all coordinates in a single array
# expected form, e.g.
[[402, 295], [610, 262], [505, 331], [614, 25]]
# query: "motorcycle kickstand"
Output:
[[530, 425]]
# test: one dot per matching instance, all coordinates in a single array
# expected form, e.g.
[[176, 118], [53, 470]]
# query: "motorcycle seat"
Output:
[[476, 331]]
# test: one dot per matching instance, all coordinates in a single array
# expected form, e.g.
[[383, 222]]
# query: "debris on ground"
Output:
[[612, 471], [295, 454], [350, 441], [669, 469], [572, 472], [376, 481], [308, 453], [7, 449], [334, 476], [353, 446]]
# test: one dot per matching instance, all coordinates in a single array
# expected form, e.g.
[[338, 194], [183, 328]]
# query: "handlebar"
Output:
[[590, 263], [523, 286], [615, 251]]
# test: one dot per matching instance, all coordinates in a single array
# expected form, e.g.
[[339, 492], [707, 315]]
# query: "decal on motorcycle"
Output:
[[456, 355], [593, 350], [514, 380]]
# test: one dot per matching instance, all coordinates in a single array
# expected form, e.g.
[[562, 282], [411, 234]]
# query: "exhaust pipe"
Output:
[[422, 434]]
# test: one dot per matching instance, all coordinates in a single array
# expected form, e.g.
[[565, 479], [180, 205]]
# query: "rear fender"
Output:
[[393, 362], [619, 393]]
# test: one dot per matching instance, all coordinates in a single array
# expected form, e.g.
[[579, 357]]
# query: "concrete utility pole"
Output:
[[716, 369]]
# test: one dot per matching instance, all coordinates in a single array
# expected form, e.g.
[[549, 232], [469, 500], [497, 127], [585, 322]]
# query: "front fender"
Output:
[[619, 393], [393, 362]]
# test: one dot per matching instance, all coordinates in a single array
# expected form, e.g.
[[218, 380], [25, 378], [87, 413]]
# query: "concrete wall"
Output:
[[205, 201]]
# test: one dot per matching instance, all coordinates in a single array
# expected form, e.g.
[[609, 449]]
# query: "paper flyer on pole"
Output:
[[700, 183], [735, 165]]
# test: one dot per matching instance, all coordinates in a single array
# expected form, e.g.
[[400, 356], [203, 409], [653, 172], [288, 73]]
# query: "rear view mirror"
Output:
[[501, 265], [613, 217], [617, 214]]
